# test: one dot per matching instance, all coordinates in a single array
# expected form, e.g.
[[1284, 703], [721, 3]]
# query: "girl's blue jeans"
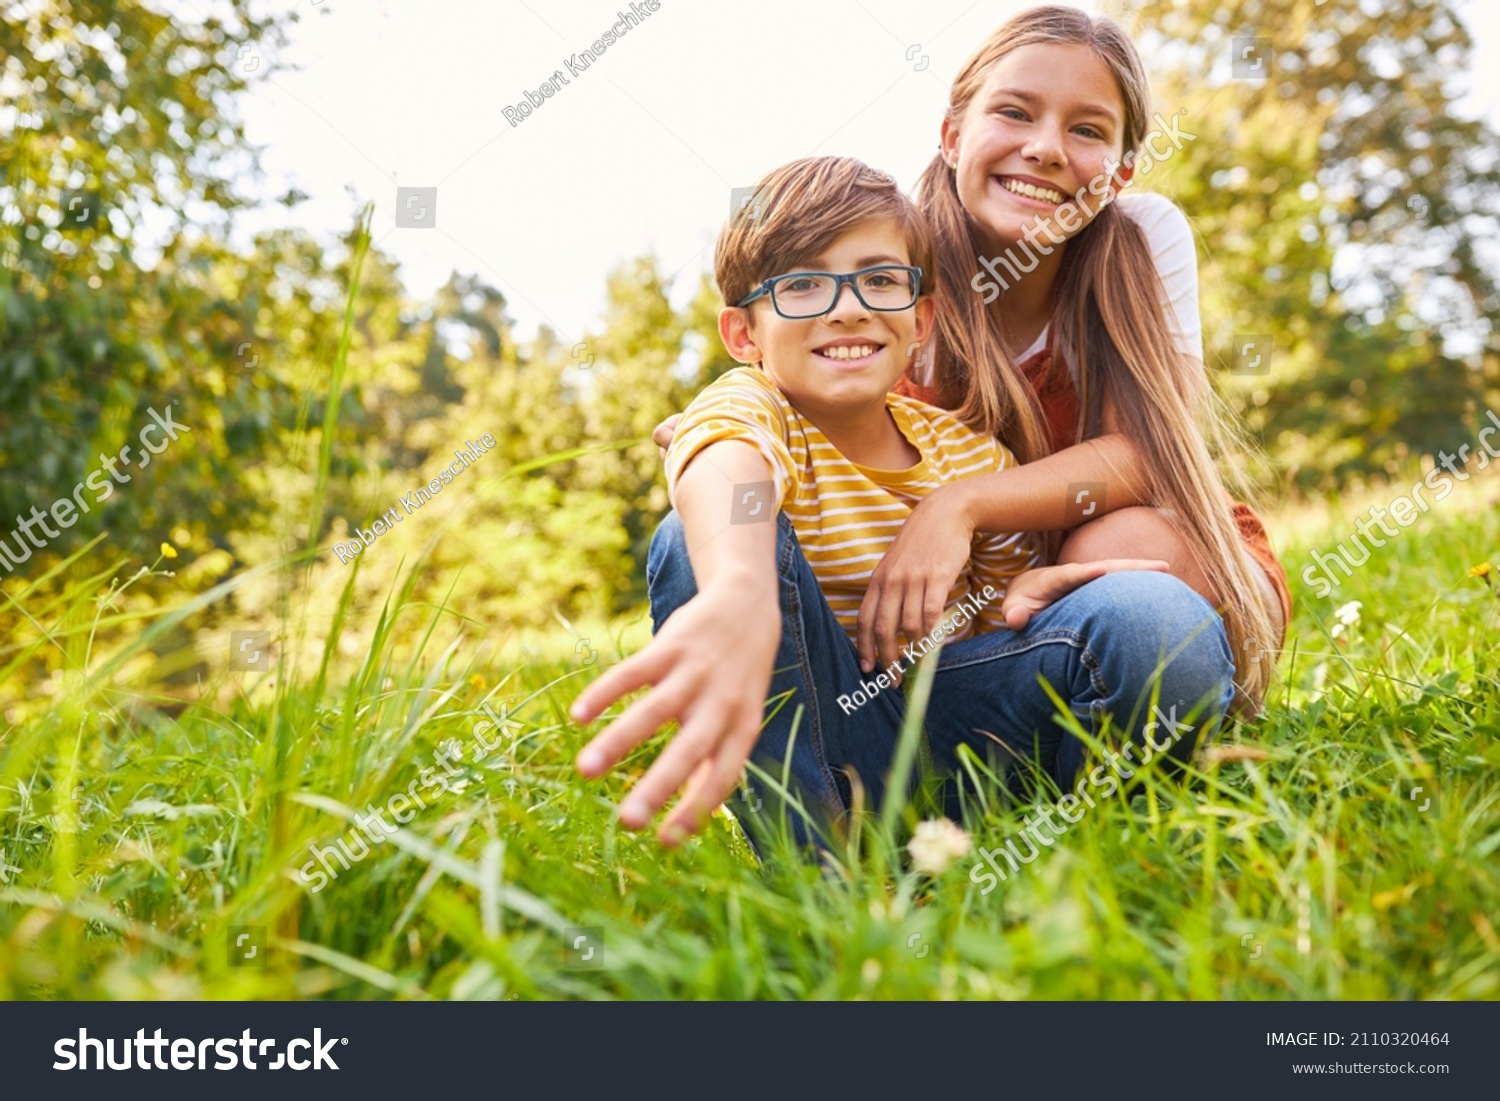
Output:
[[1140, 647]]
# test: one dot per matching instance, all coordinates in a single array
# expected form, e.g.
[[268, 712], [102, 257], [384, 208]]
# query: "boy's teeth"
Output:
[[845, 351], [1046, 194]]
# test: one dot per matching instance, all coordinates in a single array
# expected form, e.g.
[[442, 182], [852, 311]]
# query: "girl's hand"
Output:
[[662, 434], [1044, 586], [909, 589], [710, 665]]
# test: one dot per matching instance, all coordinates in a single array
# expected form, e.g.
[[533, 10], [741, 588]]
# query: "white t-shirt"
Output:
[[1170, 238]]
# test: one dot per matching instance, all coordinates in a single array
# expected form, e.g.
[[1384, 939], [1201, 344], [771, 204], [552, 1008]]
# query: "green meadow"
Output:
[[1346, 845]]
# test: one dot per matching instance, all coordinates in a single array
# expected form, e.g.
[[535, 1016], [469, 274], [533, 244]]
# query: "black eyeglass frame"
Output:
[[768, 287]]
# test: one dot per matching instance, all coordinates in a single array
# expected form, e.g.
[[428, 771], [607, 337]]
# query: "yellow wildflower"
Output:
[[168, 551], [1223, 754]]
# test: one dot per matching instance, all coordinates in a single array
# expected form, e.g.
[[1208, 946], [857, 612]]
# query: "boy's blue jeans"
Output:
[[1102, 648]]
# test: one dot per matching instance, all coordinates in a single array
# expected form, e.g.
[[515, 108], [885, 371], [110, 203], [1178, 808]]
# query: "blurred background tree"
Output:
[[1346, 210], [119, 143]]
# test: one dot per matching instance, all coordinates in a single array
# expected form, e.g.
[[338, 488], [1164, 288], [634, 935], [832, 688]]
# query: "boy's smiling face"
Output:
[[805, 358]]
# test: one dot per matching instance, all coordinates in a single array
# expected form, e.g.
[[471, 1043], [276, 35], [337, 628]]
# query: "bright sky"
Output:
[[637, 153]]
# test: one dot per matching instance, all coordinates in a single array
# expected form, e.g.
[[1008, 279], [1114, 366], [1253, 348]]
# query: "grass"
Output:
[[136, 843]]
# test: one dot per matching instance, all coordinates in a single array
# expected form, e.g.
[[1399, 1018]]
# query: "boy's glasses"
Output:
[[799, 295]]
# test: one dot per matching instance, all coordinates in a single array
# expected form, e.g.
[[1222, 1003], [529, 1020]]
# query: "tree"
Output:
[[1347, 211], [115, 113]]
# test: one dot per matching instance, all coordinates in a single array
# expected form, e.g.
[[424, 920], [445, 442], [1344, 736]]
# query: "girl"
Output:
[[1079, 366]]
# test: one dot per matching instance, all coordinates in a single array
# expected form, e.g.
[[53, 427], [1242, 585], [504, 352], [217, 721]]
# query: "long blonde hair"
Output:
[[1114, 325]]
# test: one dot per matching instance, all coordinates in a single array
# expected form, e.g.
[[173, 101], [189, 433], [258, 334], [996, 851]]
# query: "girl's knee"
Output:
[[1136, 532]]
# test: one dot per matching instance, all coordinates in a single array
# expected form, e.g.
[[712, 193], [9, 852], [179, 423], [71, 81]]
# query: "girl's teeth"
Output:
[[1046, 194]]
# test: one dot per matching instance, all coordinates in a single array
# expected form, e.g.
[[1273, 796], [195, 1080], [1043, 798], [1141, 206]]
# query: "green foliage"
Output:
[[1351, 147], [129, 112], [1296, 863], [98, 326]]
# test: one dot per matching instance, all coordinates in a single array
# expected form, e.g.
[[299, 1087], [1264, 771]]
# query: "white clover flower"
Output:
[[936, 844], [1347, 616]]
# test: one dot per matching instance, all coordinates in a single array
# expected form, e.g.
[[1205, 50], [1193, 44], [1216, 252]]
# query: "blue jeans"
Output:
[[1104, 648]]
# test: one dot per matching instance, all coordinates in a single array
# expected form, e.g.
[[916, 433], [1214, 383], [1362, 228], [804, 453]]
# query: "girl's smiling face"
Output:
[[1048, 121]]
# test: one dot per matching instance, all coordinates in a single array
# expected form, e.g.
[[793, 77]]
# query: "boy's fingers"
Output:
[[865, 624], [634, 672], [695, 784], [695, 741], [887, 616], [934, 602], [886, 654], [884, 626], [712, 782], [640, 721], [695, 805], [913, 610]]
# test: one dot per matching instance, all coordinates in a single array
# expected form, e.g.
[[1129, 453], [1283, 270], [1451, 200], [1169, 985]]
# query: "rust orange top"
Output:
[[1049, 378]]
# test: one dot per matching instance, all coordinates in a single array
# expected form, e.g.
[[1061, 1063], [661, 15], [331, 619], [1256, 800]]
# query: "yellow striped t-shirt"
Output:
[[846, 515]]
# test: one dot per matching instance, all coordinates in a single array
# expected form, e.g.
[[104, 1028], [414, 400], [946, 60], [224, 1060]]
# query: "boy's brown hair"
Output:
[[798, 210]]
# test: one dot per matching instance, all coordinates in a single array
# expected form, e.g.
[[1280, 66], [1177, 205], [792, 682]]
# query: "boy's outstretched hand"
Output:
[[710, 665]]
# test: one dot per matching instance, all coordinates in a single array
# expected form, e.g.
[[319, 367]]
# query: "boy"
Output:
[[808, 451]]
